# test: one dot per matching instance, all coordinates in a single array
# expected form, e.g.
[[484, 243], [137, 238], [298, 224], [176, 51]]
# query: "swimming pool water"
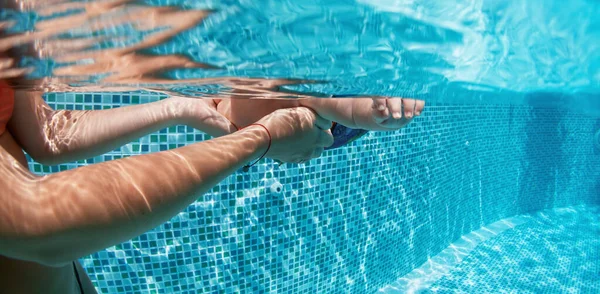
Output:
[[555, 251], [363, 216], [456, 51], [443, 51], [552, 251], [510, 132]]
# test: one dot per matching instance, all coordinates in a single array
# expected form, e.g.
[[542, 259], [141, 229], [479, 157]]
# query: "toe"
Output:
[[420, 105], [380, 108], [409, 107], [395, 107], [379, 104]]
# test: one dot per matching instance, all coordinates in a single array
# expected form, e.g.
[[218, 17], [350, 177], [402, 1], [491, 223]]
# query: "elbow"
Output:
[[51, 257], [49, 147], [47, 160], [30, 226], [46, 155], [38, 252], [49, 249], [54, 258], [52, 250], [29, 236]]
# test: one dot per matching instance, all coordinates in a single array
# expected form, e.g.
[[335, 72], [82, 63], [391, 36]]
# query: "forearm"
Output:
[[104, 204], [54, 137], [84, 134]]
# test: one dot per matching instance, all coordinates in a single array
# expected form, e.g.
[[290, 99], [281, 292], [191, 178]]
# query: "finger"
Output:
[[325, 139], [305, 156], [322, 123], [6, 63], [395, 107], [317, 153], [298, 160], [14, 72], [420, 105], [409, 107]]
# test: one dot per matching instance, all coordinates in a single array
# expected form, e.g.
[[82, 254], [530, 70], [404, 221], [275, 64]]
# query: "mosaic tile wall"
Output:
[[359, 217], [556, 251]]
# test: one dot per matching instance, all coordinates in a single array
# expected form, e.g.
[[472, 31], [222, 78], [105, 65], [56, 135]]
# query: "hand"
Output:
[[395, 113], [298, 134], [202, 115]]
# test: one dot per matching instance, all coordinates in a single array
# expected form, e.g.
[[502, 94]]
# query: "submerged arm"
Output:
[[53, 137], [96, 206], [104, 204]]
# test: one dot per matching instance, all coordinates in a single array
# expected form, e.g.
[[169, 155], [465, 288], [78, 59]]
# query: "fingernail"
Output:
[[409, 114], [397, 115], [418, 113], [380, 107]]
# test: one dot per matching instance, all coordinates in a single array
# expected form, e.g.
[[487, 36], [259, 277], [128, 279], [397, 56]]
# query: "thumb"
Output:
[[221, 126]]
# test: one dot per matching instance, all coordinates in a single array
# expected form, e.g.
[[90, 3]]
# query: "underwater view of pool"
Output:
[[369, 216], [495, 188]]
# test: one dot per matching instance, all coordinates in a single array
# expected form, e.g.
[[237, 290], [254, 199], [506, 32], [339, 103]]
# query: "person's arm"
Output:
[[53, 137], [374, 114], [60, 217]]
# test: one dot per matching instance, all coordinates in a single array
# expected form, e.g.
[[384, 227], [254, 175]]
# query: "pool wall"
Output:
[[358, 218]]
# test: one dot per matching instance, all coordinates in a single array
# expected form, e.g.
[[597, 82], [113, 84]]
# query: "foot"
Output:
[[395, 113]]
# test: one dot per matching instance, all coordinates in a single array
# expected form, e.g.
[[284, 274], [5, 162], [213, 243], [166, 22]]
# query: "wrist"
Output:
[[199, 114], [177, 110], [261, 137]]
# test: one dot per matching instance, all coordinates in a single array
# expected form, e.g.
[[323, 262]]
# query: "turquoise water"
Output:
[[477, 51], [556, 251], [494, 189], [441, 51], [553, 250], [368, 216]]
